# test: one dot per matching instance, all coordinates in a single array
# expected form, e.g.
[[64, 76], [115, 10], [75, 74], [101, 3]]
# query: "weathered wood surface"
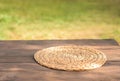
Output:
[[17, 63]]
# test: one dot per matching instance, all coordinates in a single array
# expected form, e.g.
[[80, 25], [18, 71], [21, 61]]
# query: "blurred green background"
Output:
[[59, 19]]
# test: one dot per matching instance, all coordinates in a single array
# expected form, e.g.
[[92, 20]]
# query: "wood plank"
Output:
[[28, 59], [112, 52], [8, 67], [30, 52], [17, 52], [17, 63], [34, 44], [33, 72]]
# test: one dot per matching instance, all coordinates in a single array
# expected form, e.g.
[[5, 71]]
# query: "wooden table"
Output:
[[17, 63]]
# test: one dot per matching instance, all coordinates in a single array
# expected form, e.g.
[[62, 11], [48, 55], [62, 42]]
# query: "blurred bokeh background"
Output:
[[59, 19]]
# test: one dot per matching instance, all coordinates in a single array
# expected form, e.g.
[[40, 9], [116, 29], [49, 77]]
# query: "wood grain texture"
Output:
[[26, 56], [17, 63], [35, 44]]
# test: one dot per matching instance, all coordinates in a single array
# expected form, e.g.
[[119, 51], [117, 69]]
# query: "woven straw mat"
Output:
[[70, 58]]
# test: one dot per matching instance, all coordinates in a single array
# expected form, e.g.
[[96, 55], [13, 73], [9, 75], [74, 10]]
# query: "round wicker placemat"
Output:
[[70, 58]]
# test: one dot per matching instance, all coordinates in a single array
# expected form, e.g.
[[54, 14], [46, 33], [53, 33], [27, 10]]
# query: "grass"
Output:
[[59, 19]]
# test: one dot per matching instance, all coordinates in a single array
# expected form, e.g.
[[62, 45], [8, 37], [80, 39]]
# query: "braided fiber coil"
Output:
[[71, 57]]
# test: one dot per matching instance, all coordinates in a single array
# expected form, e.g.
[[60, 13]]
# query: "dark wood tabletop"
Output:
[[17, 62]]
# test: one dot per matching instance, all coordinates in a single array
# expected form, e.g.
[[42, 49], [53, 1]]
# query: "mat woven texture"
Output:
[[71, 57]]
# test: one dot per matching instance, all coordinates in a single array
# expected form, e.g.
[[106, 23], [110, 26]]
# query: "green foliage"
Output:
[[59, 19]]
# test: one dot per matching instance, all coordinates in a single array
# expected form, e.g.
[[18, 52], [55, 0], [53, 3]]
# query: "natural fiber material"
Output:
[[70, 58]]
